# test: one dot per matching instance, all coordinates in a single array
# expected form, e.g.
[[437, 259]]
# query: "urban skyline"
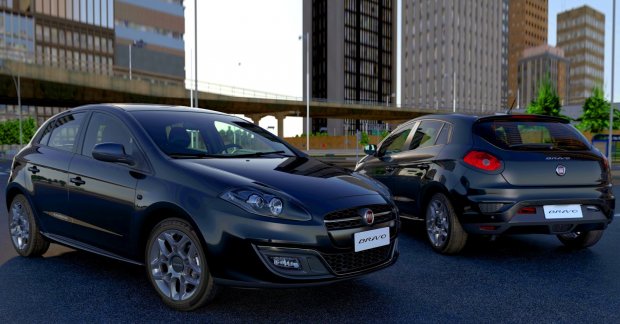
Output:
[[284, 18]]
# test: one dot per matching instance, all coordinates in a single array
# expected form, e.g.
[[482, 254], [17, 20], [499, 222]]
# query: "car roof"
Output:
[[147, 107]]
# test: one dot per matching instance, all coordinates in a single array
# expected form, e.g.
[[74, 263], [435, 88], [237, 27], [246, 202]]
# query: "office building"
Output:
[[74, 34], [581, 34], [536, 65], [527, 27], [152, 31], [452, 56], [353, 56]]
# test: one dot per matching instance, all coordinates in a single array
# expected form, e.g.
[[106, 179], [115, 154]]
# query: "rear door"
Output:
[[48, 165], [542, 152]]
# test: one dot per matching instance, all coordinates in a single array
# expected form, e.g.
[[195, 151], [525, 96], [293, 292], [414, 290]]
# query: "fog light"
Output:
[[286, 262]]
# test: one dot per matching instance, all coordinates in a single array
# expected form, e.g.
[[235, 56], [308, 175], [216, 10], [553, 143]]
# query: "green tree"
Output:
[[595, 117], [547, 102], [9, 131]]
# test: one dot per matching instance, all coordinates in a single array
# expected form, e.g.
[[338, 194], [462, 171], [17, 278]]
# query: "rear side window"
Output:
[[532, 135], [64, 134]]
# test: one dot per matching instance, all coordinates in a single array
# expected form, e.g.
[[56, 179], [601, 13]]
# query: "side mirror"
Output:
[[370, 149], [112, 152]]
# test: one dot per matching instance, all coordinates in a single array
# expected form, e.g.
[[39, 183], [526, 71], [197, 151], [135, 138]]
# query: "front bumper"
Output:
[[241, 247]]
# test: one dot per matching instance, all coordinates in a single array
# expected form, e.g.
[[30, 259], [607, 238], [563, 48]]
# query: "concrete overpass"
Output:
[[52, 86]]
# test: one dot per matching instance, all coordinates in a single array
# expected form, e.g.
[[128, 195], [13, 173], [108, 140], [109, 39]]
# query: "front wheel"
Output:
[[580, 240], [443, 227], [177, 267], [24, 230]]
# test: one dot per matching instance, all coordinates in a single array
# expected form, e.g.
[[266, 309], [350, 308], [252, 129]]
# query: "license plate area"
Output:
[[562, 211], [371, 239]]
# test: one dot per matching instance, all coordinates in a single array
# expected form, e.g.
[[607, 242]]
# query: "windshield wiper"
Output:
[[176, 155], [281, 153]]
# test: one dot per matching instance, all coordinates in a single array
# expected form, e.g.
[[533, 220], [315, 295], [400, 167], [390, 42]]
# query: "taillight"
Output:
[[482, 160]]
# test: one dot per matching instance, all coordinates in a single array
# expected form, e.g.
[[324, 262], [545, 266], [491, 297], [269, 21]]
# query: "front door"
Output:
[[102, 195]]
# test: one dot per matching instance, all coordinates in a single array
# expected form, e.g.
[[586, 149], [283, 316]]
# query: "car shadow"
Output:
[[83, 286], [540, 247]]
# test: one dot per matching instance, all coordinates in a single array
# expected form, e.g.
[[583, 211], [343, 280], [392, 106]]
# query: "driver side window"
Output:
[[395, 143]]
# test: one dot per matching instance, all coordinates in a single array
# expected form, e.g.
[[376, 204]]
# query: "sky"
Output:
[[255, 45]]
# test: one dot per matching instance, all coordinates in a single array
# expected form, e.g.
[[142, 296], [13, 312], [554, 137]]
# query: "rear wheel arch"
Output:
[[427, 193]]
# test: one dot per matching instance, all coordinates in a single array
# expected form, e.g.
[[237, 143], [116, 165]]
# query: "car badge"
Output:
[[368, 217], [560, 170]]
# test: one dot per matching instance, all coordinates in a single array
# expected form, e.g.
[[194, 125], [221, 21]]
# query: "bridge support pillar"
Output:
[[280, 120], [255, 117]]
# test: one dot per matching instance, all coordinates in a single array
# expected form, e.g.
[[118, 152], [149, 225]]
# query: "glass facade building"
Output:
[[75, 34], [353, 57], [154, 30], [581, 34], [16, 35]]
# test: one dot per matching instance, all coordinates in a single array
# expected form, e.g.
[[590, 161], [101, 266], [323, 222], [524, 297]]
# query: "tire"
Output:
[[580, 240], [24, 230], [443, 229], [176, 266]]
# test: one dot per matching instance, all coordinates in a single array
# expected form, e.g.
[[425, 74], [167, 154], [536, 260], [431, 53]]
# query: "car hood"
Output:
[[301, 177]]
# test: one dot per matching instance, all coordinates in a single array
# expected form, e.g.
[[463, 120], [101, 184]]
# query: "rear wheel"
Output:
[[442, 226], [24, 230], [177, 267], [580, 240]]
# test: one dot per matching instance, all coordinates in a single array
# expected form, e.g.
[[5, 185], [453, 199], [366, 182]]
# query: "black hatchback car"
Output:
[[503, 174], [201, 198]]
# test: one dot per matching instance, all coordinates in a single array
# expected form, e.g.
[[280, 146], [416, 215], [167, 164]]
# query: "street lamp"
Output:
[[138, 43], [18, 89], [307, 37]]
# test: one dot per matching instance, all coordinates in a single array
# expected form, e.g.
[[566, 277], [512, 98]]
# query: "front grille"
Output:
[[349, 218], [354, 261]]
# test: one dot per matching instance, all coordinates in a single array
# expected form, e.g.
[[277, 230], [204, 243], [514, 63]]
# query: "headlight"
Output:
[[270, 204]]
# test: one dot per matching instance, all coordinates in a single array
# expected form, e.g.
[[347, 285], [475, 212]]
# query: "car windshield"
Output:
[[531, 135], [186, 134]]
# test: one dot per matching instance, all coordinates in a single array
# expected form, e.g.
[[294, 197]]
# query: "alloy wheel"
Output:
[[437, 224], [175, 265], [19, 226]]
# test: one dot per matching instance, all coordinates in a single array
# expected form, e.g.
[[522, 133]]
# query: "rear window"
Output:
[[531, 135]]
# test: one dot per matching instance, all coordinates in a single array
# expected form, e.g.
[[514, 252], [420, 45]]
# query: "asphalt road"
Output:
[[527, 278]]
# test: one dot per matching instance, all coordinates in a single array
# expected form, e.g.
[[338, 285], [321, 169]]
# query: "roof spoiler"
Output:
[[523, 117]]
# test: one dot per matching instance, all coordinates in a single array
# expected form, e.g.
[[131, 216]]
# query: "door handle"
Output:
[[77, 181], [389, 169], [34, 169]]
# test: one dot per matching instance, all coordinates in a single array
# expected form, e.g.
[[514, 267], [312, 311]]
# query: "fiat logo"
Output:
[[560, 170], [368, 217]]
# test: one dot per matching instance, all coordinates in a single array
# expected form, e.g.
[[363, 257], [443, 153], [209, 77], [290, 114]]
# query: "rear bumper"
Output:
[[597, 215]]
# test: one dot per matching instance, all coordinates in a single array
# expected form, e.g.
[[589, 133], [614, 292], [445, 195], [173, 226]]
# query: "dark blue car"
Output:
[[202, 199]]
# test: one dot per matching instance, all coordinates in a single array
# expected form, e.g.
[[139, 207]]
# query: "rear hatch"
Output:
[[539, 151]]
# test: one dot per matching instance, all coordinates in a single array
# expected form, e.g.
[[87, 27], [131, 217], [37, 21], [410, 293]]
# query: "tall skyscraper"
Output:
[[581, 34], [153, 32], [353, 56], [536, 65], [452, 54], [527, 27]]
